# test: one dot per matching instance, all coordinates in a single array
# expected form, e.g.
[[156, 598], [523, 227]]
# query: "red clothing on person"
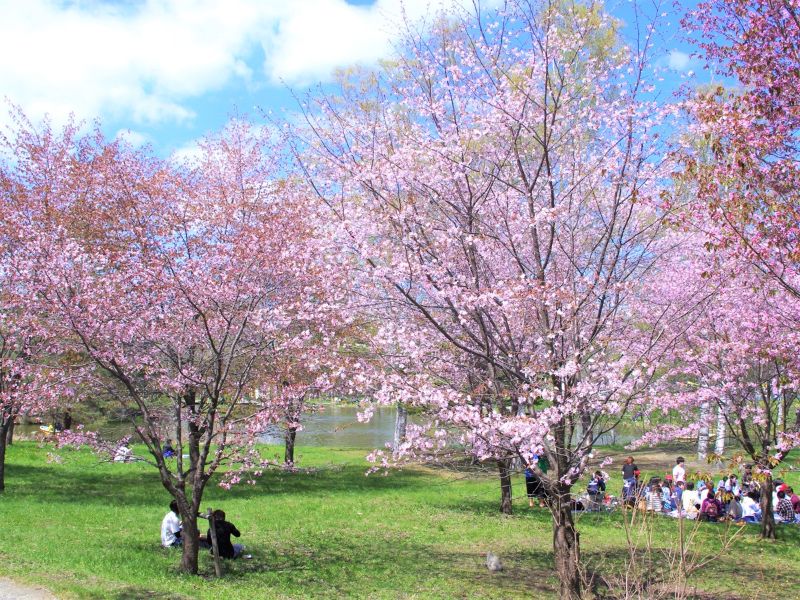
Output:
[[711, 508]]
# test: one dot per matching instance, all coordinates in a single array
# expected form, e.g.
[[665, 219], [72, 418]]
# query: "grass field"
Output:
[[86, 529]]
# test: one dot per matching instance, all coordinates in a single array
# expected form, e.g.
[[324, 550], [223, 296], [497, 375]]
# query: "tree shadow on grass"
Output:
[[140, 593], [480, 507], [117, 484], [416, 569], [729, 577]]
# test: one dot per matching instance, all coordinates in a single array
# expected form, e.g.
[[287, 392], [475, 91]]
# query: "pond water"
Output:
[[336, 425]]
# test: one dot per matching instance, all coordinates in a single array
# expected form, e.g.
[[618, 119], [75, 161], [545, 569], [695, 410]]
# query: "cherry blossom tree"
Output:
[[30, 378], [32, 372], [180, 285], [747, 172], [297, 389], [494, 186], [736, 355], [742, 167]]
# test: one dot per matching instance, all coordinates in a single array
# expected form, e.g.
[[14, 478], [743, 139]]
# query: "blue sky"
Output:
[[166, 72]]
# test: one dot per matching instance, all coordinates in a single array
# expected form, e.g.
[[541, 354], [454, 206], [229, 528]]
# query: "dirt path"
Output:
[[14, 591]]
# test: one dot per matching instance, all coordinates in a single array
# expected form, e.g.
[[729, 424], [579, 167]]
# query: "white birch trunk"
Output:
[[400, 423], [702, 436], [720, 445]]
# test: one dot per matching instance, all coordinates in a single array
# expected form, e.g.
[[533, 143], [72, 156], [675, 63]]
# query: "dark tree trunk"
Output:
[[289, 438], [10, 433], [566, 545], [504, 466], [191, 543], [67, 420], [189, 506], [767, 516], [586, 425]]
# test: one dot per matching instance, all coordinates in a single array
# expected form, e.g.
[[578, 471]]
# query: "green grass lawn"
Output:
[[86, 529]]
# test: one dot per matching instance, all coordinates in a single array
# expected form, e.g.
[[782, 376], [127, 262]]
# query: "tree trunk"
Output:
[[719, 448], [504, 466], [566, 545], [189, 506], [4, 429], [10, 433], [67, 420], [400, 423], [191, 543], [767, 516], [586, 425], [289, 438], [702, 436]]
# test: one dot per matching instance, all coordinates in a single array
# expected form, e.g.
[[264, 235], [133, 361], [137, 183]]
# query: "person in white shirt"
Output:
[[171, 527], [690, 501], [679, 471], [123, 453], [751, 511]]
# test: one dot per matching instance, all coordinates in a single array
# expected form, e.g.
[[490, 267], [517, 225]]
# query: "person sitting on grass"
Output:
[[666, 495], [653, 495], [784, 509], [171, 527], [748, 484], [735, 508], [224, 530], [751, 511], [795, 500], [710, 510], [123, 453], [691, 501], [779, 486], [732, 485], [168, 451], [724, 497], [677, 496], [596, 490]]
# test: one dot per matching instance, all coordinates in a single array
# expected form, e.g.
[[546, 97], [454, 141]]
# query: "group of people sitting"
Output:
[[730, 499], [172, 533]]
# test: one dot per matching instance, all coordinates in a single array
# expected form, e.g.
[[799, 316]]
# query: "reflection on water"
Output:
[[113, 431], [335, 426]]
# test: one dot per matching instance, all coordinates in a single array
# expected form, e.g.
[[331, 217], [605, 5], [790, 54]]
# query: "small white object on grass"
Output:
[[493, 562]]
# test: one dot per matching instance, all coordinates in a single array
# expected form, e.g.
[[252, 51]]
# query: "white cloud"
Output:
[[133, 138], [314, 37], [190, 153], [145, 61], [678, 61], [140, 62]]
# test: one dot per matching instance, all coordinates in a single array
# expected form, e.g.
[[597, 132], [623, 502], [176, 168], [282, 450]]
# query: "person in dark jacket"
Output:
[[630, 478], [224, 531], [711, 509], [534, 486], [596, 489]]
